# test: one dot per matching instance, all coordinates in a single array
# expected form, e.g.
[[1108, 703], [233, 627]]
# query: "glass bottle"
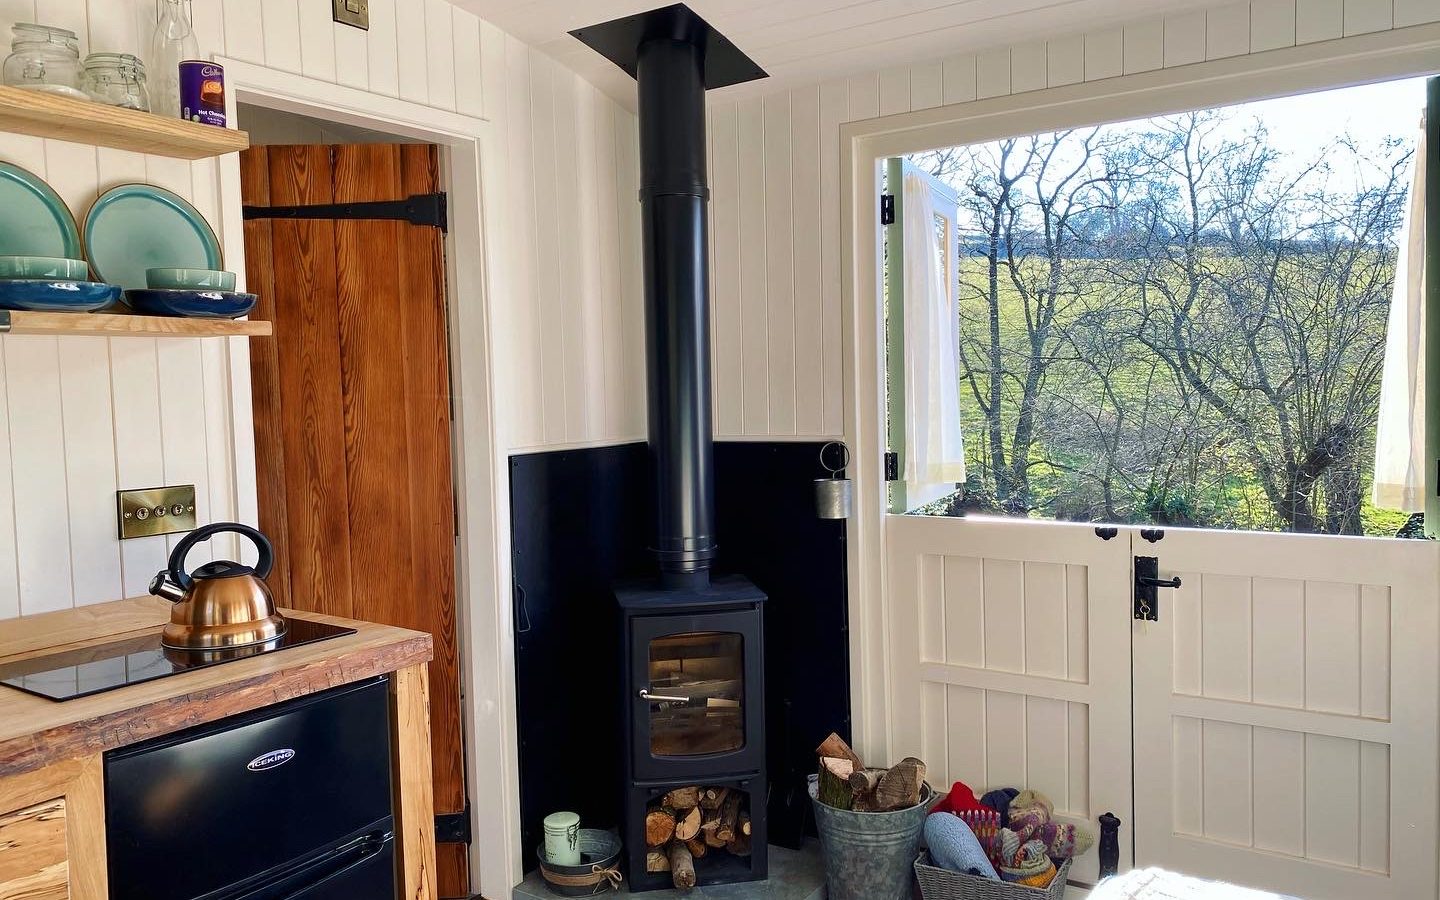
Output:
[[173, 43]]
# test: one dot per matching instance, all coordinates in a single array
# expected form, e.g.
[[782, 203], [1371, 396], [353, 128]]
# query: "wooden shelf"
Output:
[[84, 122], [119, 325]]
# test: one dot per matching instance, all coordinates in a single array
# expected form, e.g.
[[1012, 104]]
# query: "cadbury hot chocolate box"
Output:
[[202, 92]]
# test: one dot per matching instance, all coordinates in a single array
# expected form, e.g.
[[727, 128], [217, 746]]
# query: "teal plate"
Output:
[[34, 221], [44, 295], [136, 227]]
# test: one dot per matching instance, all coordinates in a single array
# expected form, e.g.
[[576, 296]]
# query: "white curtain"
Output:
[[1400, 437], [934, 447]]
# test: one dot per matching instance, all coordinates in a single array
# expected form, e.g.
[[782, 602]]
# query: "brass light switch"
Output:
[[352, 12], [162, 510]]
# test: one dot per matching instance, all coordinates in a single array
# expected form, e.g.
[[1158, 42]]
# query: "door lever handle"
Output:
[[1147, 581], [1150, 581], [661, 698]]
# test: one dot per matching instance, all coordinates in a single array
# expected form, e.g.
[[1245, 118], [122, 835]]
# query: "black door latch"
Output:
[[1147, 581]]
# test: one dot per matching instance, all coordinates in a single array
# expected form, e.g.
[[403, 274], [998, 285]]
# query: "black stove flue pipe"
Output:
[[674, 227], [675, 56]]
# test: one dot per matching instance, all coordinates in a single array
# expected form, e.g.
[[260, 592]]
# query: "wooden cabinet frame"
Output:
[[79, 783]]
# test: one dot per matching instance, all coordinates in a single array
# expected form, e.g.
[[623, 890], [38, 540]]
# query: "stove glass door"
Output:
[[697, 693]]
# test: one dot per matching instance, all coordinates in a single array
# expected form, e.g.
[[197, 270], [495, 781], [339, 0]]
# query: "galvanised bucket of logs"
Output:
[[870, 855]]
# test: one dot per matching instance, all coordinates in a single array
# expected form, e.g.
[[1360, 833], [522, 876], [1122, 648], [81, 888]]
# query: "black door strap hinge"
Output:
[[453, 828], [887, 209], [428, 210], [892, 465]]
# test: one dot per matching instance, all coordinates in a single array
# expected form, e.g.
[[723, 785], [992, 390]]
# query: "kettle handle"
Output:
[[182, 549]]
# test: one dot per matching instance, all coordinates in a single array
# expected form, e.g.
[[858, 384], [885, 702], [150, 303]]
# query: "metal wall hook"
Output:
[[844, 458]]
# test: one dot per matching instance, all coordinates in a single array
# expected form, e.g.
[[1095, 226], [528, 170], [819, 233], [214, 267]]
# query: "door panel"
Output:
[[1010, 660], [1285, 713], [352, 414]]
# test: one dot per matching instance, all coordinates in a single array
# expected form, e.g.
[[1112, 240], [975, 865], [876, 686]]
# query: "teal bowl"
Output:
[[170, 279], [50, 268]]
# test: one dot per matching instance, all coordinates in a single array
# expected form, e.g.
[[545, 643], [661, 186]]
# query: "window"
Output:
[[1179, 320]]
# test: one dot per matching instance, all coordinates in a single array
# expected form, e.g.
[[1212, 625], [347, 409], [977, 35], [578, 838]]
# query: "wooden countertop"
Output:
[[35, 732]]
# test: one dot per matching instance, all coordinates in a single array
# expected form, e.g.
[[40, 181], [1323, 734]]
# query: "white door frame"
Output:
[[483, 551], [1400, 53]]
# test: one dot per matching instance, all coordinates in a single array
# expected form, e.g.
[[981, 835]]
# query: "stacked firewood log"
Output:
[[845, 783], [691, 822]]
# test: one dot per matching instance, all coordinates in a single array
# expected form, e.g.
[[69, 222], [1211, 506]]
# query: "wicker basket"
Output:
[[943, 884]]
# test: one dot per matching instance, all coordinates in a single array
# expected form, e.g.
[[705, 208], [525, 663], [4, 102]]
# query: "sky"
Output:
[[1299, 126]]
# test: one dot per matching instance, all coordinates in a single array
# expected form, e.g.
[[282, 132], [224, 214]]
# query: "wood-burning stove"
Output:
[[693, 648], [694, 713]]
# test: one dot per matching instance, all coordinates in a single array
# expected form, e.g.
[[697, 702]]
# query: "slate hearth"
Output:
[[794, 875]]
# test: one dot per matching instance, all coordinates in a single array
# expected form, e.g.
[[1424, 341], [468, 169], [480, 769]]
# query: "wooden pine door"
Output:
[[1009, 660], [352, 414], [1285, 714]]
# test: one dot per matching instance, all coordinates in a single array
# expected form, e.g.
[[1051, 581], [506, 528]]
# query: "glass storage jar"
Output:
[[117, 79], [45, 58]]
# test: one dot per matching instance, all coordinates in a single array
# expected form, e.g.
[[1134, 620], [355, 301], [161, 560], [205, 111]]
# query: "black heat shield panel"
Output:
[[619, 41], [582, 520], [768, 530]]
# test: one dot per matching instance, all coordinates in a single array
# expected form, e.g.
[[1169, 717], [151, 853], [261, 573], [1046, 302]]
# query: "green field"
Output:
[[1117, 435]]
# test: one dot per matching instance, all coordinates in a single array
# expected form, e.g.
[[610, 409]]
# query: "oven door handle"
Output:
[[661, 698]]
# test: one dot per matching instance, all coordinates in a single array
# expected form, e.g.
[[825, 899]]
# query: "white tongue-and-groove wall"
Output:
[[81, 417]]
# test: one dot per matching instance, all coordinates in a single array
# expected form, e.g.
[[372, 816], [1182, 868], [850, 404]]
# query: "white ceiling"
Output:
[[804, 41]]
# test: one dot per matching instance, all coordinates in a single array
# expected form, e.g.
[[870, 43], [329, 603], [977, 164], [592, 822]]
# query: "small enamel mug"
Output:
[[562, 839]]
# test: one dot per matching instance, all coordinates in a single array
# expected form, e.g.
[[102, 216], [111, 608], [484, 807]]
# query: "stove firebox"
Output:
[[694, 713]]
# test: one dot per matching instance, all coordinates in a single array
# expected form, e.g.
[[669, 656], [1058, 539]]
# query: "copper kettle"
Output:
[[221, 604]]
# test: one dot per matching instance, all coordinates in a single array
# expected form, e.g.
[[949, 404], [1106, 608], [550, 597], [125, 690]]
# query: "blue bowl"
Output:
[[191, 304], [48, 295]]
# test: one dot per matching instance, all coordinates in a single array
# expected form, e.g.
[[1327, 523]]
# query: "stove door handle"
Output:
[[661, 698]]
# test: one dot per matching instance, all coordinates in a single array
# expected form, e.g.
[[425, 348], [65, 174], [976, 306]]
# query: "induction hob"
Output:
[[69, 674]]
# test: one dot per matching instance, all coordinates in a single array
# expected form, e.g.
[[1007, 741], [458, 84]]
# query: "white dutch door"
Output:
[[1152, 321], [1285, 713], [1284, 700]]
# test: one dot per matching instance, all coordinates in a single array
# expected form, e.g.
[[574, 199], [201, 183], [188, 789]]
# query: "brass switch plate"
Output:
[[162, 510], [352, 12]]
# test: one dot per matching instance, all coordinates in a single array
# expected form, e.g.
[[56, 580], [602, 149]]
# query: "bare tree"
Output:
[[1032, 200], [1170, 321], [1266, 296]]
